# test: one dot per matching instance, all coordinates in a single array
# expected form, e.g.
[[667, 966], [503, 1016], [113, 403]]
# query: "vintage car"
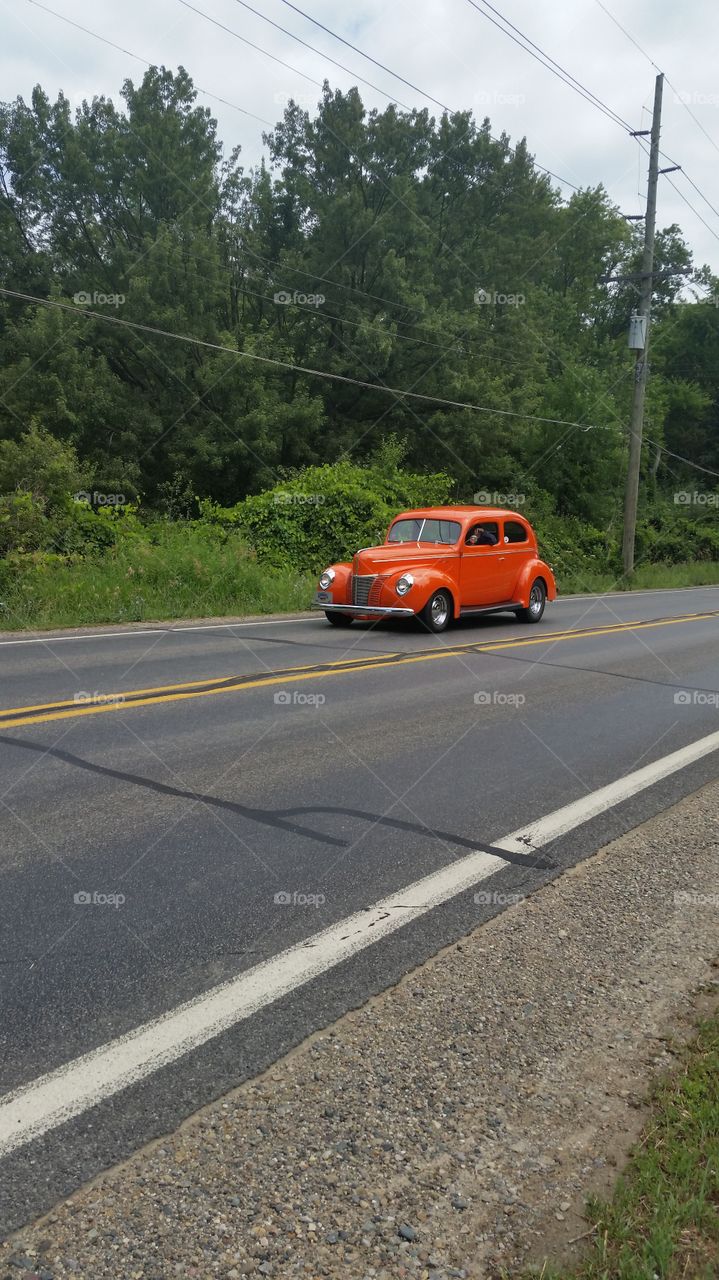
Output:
[[441, 563]]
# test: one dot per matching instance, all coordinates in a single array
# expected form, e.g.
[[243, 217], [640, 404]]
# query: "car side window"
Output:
[[514, 531], [483, 534]]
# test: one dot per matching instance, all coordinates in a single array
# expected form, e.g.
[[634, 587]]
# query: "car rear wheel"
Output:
[[338, 619], [437, 612], [537, 601]]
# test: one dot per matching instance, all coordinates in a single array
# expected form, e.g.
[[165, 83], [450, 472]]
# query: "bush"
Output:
[[325, 513]]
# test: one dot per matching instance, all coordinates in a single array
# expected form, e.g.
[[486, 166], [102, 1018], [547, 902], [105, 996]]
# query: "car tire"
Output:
[[437, 613], [537, 601], [339, 619]]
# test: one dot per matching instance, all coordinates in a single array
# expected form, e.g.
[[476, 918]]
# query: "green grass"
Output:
[[696, 573], [663, 1220], [184, 572]]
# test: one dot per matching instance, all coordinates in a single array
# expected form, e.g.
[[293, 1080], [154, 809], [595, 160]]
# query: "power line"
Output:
[[339, 64], [679, 99], [362, 54], [31, 299], [258, 48], [686, 199], [397, 76], [548, 62], [103, 40], [286, 364], [650, 60], [326, 56]]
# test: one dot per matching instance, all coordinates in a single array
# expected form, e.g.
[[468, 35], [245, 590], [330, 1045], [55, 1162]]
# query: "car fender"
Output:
[[535, 569], [341, 592], [426, 581]]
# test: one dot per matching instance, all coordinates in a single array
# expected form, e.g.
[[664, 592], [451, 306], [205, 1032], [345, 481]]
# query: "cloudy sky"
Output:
[[446, 48]]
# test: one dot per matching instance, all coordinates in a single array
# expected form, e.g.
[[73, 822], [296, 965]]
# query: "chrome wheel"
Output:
[[537, 601], [437, 611]]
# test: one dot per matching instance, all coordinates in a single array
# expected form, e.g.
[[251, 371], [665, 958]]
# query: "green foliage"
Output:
[[174, 571], [325, 513], [39, 464]]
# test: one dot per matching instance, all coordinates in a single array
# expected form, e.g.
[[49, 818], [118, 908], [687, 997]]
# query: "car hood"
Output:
[[405, 555]]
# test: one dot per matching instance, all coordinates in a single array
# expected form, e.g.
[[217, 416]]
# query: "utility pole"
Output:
[[641, 367]]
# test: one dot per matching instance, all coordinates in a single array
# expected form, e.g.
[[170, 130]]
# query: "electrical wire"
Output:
[[326, 56], [103, 39], [362, 54], [33, 300], [651, 61], [548, 62]]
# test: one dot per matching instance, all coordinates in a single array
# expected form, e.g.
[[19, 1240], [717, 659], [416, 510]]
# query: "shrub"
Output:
[[324, 513]]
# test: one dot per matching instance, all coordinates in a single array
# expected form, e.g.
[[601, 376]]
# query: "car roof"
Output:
[[462, 513]]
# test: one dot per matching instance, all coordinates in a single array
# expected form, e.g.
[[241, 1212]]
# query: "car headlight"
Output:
[[326, 578], [403, 584]]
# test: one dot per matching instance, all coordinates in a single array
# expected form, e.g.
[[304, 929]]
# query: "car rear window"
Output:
[[514, 531], [445, 532]]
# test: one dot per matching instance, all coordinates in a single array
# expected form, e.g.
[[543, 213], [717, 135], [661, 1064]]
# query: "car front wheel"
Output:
[[537, 601], [437, 612], [339, 619]]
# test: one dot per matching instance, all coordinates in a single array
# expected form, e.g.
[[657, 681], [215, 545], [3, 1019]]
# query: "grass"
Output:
[[663, 1220], [194, 571], [184, 572], [695, 573]]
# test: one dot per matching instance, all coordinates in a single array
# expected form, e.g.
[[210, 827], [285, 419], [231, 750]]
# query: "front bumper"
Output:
[[362, 610]]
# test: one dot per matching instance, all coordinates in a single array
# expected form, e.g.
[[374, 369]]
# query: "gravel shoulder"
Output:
[[454, 1125]]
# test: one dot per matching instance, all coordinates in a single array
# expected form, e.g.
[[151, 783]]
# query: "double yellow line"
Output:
[[14, 717]]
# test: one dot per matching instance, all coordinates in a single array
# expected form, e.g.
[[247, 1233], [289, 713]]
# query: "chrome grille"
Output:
[[362, 584]]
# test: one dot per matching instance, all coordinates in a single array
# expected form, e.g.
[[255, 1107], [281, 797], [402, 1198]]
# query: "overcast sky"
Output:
[[446, 48]]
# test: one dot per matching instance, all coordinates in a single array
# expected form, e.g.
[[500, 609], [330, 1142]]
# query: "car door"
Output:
[[517, 550], [485, 574]]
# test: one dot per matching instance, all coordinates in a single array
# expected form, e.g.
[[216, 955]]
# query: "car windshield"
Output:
[[418, 529]]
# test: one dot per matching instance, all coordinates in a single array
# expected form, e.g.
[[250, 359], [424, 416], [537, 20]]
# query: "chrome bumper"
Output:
[[364, 610]]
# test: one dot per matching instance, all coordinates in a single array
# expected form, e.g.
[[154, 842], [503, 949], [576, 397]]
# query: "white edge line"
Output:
[[58, 1096], [161, 631]]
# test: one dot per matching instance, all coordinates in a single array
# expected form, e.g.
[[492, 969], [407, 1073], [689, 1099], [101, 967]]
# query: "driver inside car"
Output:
[[481, 537]]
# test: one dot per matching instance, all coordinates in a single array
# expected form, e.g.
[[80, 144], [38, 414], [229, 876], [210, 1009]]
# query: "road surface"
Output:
[[216, 839]]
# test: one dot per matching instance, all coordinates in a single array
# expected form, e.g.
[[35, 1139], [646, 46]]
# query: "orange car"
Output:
[[440, 563]]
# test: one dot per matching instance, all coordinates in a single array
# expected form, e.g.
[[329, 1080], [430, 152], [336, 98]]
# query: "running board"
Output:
[[490, 608]]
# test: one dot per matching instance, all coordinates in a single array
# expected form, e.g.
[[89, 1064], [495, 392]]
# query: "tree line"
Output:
[[386, 247]]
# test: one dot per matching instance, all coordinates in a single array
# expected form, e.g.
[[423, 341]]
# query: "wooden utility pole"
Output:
[[641, 368]]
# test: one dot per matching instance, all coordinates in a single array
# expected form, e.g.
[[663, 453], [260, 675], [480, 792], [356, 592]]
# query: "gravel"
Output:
[[452, 1126]]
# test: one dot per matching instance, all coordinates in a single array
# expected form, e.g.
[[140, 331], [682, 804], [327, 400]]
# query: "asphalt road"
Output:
[[199, 776]]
